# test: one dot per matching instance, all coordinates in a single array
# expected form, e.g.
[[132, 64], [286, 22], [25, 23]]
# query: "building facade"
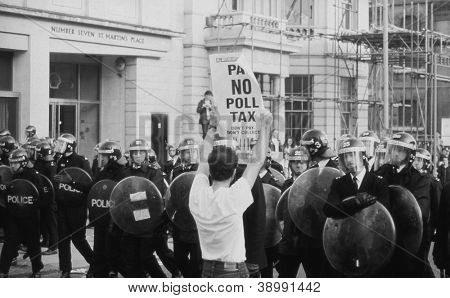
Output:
[[123, 69]]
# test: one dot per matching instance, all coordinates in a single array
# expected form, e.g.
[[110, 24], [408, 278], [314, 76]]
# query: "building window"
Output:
[[349, 14], [300, 12], [298, 105], [234, 5], [6, 71], [74, 81], [348, 105], [301, 85]]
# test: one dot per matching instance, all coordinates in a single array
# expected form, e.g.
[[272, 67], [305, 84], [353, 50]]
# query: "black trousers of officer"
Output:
[[165, 254], [188, 257], [272, 258], [107, 250], [71, 227], [20, 229], [313, 258], [49, 226], [139, 258]]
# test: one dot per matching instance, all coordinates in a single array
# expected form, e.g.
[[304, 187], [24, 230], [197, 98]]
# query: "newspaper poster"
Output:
[[238, 98]]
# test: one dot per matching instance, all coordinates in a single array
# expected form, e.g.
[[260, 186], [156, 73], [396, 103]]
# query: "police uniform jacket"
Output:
[[78, 161], [418, 184], [31, 175], [46, 168], [441, 250], [343, 188]]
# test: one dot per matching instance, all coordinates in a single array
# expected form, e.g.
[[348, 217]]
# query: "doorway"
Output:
[[159, 136]]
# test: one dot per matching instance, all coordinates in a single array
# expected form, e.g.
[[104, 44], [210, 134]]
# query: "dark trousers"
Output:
[[165, 254], [204, 129], [288, 266], [72, 227], [24, 229], [49, 226], [188, 257], [139, 259], [272, 258], [218, 269], [107, 250]]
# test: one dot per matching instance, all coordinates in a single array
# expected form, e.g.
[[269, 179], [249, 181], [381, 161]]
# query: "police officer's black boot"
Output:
[[65, 274]]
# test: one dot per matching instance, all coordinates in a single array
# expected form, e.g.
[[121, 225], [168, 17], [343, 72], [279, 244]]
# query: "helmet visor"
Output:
[[397, 155], [60, 146], [351, 162], [370, 147]]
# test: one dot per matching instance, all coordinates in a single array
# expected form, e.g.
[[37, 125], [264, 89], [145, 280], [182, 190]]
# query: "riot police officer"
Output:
[[423, 164], [30, 132], [7, 145], [46, 166], [316, 142], [143, 164], [371, 141], [364, 186], [107, 261], [188, 255], [71, 217], [22, 219], [398, 170], [289, 248], [321, 155]]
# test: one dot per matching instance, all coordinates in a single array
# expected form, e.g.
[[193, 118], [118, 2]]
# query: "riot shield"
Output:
[[48, 196], [360, 245], [272, 235], [177, 202], [6, 175], [279, 178], [22, 198], [136, 205], [98, 201], [70, 195], [281, 211], [407, 217], [308, 196]]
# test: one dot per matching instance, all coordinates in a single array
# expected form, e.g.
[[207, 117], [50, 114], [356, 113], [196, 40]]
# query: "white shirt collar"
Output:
[[400, 168], [360, 177]]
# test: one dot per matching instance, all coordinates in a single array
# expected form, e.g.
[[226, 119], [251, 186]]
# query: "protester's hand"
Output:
[[266, 119], [62, 178], [214, 117], [363, 199]]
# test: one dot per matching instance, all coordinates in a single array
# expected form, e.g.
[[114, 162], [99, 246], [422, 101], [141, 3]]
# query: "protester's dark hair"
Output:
[[208, 92], [222, 163]]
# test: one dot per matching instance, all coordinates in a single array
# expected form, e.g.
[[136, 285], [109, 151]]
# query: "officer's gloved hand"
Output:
[[62, 178], [363, 199]]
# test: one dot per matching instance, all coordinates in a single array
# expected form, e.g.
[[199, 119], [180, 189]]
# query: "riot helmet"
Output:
[[44, 151], [371, 141], [139, 152], [30, 131], [401, 149], [380, 155], [352, 156], [316, 142], [5, 132], [65, 144], [298, 158], [422, 161], [344, 137], [7, 144], [189, 151], [18, 159], [31, 148], [109, 151]]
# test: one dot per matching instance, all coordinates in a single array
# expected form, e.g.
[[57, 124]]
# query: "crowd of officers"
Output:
[[369, 166]]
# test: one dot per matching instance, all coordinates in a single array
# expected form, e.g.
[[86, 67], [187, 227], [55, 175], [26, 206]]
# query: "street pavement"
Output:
[[80, 267]]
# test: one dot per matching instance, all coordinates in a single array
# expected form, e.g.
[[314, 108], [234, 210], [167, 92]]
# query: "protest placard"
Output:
[[239, 102]]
